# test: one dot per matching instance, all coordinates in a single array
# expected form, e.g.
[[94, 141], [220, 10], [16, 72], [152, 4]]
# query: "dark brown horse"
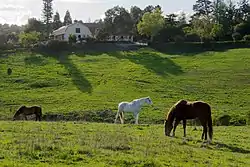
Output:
[[27, 111], [184, 110]]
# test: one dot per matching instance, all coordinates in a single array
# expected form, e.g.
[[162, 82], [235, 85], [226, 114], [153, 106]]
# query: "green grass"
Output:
[[82, 82], [88, 144]]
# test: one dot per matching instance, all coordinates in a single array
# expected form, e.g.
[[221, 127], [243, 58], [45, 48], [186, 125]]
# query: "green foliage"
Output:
[[56, 45], [92, 145], [27, 39], [246, 38], [217, 31], [56, 21], [67, 18], [236, 36], [151, 23], [72, 38], [47, 15]]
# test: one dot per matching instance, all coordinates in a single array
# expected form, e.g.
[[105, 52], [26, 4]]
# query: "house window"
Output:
[[78, 30]]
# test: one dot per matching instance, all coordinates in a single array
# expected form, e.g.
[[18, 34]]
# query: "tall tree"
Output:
[[118, 21], [34, 25], [56, 21], [67, 18], [203, 8], [47, 14], [151, 24], [182, 19]]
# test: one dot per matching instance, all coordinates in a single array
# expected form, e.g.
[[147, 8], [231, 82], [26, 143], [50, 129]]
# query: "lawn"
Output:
[[82, 83]]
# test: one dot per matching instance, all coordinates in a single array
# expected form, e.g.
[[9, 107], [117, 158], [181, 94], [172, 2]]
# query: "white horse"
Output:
[[134, 107]]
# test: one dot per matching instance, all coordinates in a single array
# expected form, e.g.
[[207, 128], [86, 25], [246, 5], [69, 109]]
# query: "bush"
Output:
[[28, 39], [246, 38], [72, 38], [56, 45], [178, 39], [223, 120], [236, 36]]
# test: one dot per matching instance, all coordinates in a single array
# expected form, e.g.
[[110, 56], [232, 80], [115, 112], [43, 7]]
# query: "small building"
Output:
[[78, 29]]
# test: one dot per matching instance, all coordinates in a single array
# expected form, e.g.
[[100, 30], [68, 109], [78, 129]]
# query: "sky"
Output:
[[18, 11]]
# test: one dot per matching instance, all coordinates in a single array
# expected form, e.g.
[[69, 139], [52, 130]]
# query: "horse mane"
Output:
[[170, 115]]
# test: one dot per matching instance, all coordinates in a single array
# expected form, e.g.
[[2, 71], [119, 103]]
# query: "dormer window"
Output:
[[78, 30]]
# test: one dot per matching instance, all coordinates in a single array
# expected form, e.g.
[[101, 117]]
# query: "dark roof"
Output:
[[93, 27]]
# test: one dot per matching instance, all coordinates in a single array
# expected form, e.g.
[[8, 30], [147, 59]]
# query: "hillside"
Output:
[[80, 84]]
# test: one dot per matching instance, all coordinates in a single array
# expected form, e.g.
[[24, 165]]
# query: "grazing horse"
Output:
[[134, 107], [28, 111], [184, 110]]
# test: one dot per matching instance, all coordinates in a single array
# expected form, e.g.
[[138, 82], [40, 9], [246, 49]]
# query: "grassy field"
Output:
[[77, 83], [90, 144]]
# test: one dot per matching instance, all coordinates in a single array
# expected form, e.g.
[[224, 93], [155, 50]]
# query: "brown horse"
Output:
[[184, 110], [27, 111]]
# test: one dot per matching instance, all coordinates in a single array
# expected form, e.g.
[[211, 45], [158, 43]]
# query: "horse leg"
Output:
[[117, 115], [176, 122], [136, 115], [204, 133], [184, 126], [122, 117]]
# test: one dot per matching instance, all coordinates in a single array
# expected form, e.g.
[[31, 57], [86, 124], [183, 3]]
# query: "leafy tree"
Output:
[[203, 8], [56, 21], [217, 31], [118, 21], [67, 18], [27, 39], [34, 25], [203, 28], [151, 23], [47, 14], [182, 19]]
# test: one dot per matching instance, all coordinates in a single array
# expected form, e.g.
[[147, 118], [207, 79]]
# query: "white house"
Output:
[[78, 29]]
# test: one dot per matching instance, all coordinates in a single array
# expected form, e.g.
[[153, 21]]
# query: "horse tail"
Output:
[[210, 127]]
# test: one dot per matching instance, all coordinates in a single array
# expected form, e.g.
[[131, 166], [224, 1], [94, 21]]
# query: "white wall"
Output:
[[84, 31]]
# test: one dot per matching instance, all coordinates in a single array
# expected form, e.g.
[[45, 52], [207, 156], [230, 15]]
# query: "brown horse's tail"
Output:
[[210, 127]]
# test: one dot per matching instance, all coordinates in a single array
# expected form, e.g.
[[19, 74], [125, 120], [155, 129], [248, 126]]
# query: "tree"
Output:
[[34, 25], [57, 21], [67, 18], [118, 21], [47, 15], [203, 28], [203, 8], [27, 39], [151, 23], [217, 31], [182, 19]]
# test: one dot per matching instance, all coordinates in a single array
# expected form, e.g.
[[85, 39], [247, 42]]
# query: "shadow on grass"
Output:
[[148, 58], [77, 76], [35, 59], [192, 49], [231, 148]]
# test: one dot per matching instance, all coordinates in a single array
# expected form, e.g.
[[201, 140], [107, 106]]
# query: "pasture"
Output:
[[91, 144], [87, 86], [81, 85]]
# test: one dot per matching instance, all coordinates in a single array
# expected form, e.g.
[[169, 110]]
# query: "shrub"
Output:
[[178, 39], [246, 38], [28, 39], [223, 120], [236, 36], [72, 38], [57, 45]]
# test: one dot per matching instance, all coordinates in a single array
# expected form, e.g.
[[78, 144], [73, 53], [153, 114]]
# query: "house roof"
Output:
[[60, 30], [92, 27]]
